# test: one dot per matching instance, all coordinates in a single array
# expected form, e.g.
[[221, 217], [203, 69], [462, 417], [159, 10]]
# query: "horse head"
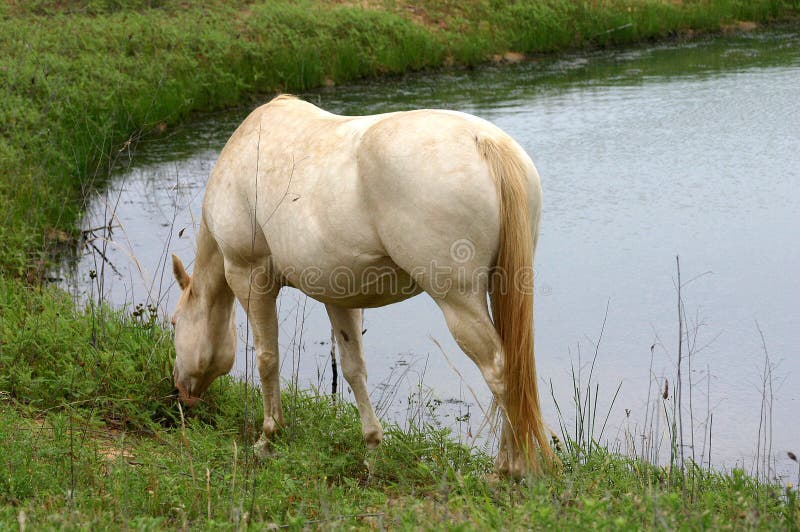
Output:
[[205, 337]]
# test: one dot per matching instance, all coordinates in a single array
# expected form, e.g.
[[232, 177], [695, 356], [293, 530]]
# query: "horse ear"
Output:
[[180, 272]]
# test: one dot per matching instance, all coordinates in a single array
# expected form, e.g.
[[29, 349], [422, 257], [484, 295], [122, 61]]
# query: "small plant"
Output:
[[583, 439]]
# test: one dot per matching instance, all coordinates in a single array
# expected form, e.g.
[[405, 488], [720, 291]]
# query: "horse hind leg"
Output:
[[468, 319], [347, 327]]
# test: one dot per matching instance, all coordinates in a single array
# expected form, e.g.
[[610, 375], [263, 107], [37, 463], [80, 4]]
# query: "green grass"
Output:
[[61, 471], [90, 435]]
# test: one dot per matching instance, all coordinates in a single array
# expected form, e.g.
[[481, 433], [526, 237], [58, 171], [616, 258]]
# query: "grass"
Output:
[[61, 471], [90, 435], [61, 468]]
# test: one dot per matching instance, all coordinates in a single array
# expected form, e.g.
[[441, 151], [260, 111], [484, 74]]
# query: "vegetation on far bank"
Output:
[[90, 434], [85, 79]]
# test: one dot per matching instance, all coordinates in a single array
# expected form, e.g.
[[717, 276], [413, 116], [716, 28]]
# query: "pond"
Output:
[[646, 154]]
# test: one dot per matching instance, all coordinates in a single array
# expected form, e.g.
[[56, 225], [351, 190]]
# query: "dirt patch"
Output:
[[436, 18], [111, 453], [739, 26], [110, 442], [509, 58]]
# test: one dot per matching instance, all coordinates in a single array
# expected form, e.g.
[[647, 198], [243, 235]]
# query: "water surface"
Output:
[[645, 154]]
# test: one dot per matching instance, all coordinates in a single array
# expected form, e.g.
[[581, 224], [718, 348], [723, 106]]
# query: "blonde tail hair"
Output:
[[512, 304]]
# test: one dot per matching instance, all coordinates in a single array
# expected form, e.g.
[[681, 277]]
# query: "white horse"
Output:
[[363, 212]]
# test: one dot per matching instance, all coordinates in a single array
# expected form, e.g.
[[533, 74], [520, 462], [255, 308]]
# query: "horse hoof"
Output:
[[506, 466], [501, 462], [373, 438], [263, 448]]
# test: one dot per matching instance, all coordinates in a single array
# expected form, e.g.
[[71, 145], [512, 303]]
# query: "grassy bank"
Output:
[[67, 474], [89, 432], [89, 438]]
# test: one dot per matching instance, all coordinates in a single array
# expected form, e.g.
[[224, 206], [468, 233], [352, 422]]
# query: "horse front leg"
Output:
[[347, 327], [258, 297], [268, 359]]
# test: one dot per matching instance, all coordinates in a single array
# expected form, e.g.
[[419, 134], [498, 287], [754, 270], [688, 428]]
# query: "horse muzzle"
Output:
[[185, 395]]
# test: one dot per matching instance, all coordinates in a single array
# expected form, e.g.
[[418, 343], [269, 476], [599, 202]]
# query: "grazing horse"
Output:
[[362, 212]]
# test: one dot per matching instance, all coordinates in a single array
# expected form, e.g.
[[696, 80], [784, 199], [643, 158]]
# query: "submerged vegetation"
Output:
[[90, 434]]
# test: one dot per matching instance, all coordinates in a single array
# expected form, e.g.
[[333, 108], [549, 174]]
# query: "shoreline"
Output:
[[87, 83]]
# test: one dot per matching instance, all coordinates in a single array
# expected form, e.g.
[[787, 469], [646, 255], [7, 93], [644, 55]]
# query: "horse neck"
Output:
[[208, 277]]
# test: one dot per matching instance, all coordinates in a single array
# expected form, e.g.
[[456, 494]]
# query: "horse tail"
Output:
[[512, 299]]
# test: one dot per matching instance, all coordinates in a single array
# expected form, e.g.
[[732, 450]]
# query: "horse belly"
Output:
[[365, 284], [330, 250]]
